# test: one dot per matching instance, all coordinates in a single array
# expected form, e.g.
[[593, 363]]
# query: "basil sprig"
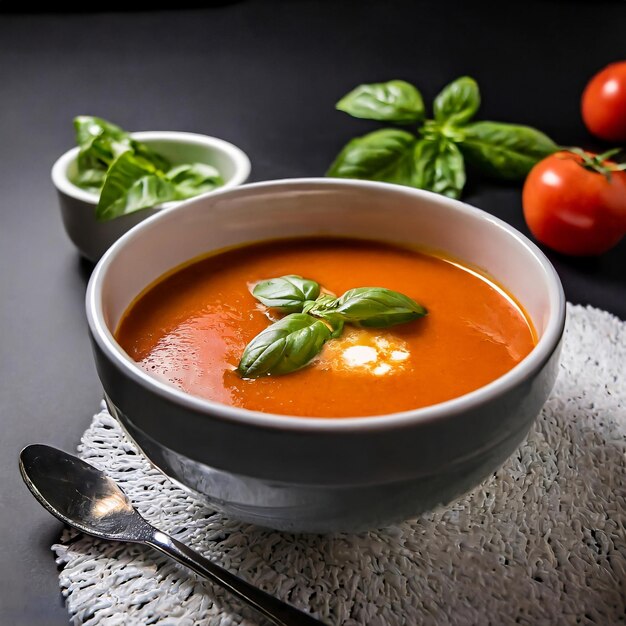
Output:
[[433, 157], [292, 342], [128, 174]]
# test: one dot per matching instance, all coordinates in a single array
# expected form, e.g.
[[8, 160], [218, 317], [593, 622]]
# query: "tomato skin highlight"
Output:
[[603, 103], [574, 210]]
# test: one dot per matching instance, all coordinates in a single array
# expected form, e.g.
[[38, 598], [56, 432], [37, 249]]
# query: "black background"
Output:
[[264, 75]]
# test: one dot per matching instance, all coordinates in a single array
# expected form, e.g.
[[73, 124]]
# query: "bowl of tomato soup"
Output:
[[416, 339]]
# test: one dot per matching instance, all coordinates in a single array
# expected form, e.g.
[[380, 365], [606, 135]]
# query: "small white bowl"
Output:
[[93, 238]]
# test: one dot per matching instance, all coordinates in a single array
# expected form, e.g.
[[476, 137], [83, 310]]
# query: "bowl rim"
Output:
[[240, 159], [524, 370]]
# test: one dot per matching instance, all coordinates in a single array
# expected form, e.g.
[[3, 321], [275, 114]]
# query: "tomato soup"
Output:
[[190, 329]]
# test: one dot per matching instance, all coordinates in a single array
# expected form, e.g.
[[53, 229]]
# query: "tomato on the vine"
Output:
[[603, 103], [575, 202]]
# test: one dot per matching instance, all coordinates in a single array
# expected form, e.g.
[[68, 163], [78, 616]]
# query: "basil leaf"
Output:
[[458, 102], [192, 179], [287, 294], [374, 307], [506, 151], [384, 155], [88, 128], [148, 154], [96, 157], [100, 144], [132, 184], [393, 101], [101, 152], [90, 179], [439, 167], [285, 346]]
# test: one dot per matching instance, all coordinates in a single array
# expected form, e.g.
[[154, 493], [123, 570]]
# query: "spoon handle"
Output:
[[276, 610]]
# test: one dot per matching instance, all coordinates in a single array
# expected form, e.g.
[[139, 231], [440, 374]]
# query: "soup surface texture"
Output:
[[191, 328]]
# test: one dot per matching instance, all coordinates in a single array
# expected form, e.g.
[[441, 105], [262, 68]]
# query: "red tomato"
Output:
[[604, 103], [573, 209]]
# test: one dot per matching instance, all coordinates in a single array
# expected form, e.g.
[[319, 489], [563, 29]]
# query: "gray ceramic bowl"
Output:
[[78, 206], [306, 474]]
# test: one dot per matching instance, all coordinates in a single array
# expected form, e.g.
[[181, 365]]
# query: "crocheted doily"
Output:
[[542, 541]]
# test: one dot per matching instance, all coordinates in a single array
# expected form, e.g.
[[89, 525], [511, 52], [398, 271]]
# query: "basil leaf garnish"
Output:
[[384, 155], [505, 151], [285, 346], [287, 294], [439, 167], [458, 102], [291, 343], [132, 184], [192, 179], [374, 307], [393, 101]]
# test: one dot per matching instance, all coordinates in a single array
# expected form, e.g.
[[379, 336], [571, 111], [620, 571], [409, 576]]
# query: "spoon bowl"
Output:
[[79, 494]]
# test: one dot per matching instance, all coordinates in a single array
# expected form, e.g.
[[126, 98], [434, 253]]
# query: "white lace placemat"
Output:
[[542, 541]]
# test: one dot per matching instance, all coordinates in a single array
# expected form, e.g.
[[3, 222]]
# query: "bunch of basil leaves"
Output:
[[433, 157], [128, 174], [313, 318]]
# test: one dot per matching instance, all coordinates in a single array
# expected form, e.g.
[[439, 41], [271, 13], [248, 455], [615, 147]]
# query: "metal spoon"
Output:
[[87, 499]]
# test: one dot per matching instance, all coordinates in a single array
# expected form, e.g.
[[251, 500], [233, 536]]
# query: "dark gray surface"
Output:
[[264, 75]]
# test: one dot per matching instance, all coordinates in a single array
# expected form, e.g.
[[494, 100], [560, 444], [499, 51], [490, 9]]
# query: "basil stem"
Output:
[[286, 294], [285, 346]]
